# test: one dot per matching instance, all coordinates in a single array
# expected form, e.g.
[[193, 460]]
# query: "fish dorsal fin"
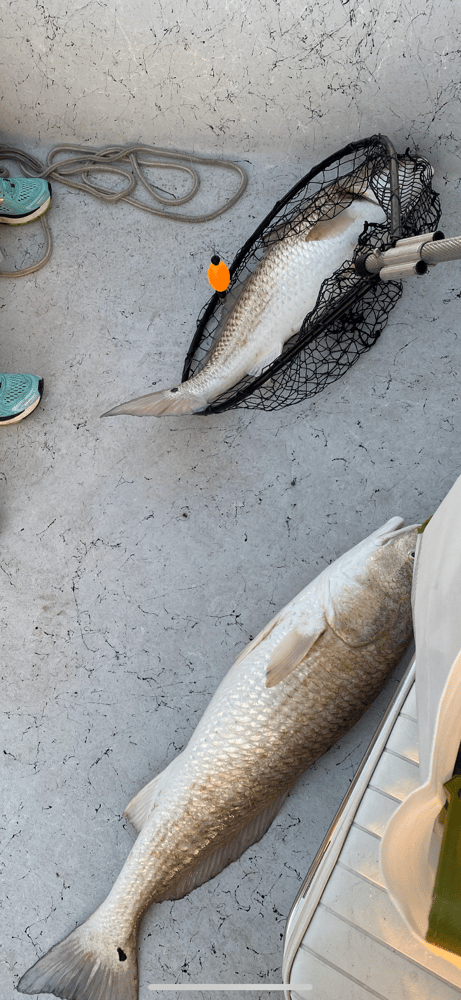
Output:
[[141, 805], [226, 853], [289, 653]]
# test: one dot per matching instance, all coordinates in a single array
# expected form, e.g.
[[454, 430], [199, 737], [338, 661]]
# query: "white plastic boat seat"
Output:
[[345, 940], [395, 776]]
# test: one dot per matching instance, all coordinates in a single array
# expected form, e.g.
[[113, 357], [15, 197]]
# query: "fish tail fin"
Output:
[[159, 404], [88, 963]]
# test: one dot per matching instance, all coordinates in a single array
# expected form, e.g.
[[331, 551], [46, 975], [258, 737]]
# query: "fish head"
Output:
[[370, 592]]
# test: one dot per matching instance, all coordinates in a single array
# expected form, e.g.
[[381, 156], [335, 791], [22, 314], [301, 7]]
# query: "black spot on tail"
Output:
[[79, 967]]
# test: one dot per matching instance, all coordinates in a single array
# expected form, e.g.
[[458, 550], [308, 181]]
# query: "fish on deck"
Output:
[[291, 694]]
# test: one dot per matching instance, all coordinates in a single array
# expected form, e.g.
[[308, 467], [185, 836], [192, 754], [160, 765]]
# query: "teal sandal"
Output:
[[19, 395]]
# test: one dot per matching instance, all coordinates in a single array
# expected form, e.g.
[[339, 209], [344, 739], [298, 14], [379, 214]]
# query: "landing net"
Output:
[[351, 311]]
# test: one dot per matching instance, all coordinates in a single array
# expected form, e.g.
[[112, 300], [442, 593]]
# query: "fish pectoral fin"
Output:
[[329, 228], [289, 653], [257, 640], [217, 860], [141, 805], [257, 368]]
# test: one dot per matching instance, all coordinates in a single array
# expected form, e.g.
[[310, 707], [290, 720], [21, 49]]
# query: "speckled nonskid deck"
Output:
[[137, 562]]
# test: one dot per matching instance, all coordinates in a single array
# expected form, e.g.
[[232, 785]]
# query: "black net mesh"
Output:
[[351, 311]]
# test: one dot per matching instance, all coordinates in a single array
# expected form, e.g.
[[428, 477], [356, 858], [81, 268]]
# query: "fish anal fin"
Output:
[[289, 653], [228, 852], [140, 806]]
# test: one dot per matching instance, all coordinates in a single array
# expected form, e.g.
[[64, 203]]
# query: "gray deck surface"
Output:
[[138, 557]]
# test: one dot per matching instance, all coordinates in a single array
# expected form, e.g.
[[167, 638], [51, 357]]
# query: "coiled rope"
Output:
[[126, 162]]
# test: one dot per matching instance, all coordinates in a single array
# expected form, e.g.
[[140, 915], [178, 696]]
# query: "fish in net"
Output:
[[351, 310]]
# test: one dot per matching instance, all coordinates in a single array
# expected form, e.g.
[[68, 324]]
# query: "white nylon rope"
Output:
[[126, 162]]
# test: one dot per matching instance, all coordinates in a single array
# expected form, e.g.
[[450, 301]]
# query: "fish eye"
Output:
[[412, 554]]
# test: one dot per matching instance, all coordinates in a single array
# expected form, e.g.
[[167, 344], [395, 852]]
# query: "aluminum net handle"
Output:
[[411, 256]]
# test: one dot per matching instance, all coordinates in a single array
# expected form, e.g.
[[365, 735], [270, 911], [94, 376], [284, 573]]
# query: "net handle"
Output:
[[395, 223]]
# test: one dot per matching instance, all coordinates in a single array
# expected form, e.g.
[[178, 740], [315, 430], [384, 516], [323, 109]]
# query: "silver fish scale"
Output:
[[275, 300], [229, 777], [265, 301], [219, 796], [254, 742]]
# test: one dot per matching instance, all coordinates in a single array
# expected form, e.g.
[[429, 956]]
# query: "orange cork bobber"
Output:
[[218, 274]]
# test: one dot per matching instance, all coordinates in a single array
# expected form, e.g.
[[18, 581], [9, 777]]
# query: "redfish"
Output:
[[291, 694], [271, 303]]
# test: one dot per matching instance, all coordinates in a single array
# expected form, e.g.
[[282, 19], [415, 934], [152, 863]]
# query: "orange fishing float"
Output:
[[218, 274]]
